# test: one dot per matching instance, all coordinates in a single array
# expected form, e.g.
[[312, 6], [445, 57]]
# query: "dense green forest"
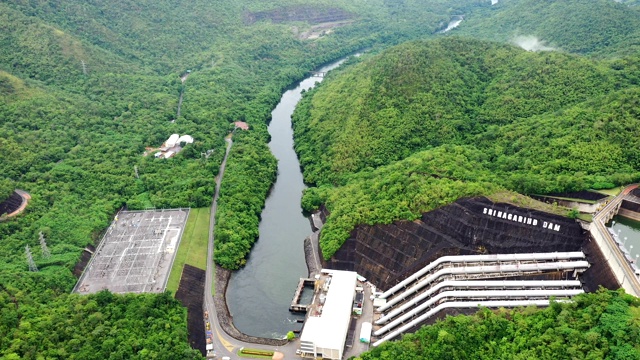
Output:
[[601, 28], [602, 325], [100, 326], [86, 87], [428, 122]]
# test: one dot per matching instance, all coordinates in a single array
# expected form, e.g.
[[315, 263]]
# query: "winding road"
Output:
[[223, 344], [219, 341]]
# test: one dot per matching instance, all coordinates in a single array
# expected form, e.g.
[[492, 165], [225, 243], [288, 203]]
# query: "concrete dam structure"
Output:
[[387, 254], [398, 257]]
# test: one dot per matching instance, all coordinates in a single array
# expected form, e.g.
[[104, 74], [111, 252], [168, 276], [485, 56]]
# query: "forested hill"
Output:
[[86, 86], [428, 122], [602, 28]]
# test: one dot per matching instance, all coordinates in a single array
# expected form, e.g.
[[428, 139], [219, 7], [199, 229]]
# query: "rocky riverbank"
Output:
[[225, 318]]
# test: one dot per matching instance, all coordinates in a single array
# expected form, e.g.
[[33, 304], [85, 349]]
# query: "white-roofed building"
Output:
[[169, 154], [187, 139], [172, 141], [325, 330]]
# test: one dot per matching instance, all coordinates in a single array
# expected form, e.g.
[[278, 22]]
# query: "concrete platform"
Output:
[[136, 253]]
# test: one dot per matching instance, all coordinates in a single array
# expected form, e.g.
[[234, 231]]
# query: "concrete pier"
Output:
[[295, 302]]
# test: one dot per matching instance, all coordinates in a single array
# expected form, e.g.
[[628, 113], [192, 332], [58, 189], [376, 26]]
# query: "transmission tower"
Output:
[[135, 167], [32, 264], [43, 245], [84, 67]]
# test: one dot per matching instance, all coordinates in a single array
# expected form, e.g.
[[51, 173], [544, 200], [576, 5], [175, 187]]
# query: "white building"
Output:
[[325, 335], [172, 141], [187, 139]]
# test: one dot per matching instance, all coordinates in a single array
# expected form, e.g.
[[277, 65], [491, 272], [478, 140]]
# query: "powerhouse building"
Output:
[[325, 330]]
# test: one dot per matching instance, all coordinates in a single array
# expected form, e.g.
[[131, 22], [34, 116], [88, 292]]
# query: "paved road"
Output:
[[598, 220], [219, 342]]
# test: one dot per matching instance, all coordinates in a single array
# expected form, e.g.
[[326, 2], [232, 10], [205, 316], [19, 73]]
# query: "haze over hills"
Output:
[[601, 28], [86, 86]]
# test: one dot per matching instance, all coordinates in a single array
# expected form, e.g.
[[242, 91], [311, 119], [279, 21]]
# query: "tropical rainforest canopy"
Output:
[[87, 87], [428, 122]]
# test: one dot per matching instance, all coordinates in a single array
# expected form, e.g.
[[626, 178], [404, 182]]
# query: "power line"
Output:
[[43, 245], [32, 264]]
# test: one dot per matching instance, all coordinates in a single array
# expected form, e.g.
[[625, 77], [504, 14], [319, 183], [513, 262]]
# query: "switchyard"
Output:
[[136, 252]]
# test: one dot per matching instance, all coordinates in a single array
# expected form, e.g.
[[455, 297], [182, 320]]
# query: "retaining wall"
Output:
[[224, 316], [615, 261]]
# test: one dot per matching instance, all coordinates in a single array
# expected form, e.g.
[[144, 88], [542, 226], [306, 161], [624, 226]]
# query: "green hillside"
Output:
[[598, 27], [464, 114], [85, 87]]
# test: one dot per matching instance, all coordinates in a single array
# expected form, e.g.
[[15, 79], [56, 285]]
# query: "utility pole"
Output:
[[32, 264], [43, 245], [84, 67]]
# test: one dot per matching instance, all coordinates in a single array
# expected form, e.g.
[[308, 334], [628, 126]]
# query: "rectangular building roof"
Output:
[[329, 330]]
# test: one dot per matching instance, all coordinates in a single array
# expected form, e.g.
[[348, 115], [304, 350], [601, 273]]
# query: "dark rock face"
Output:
[[599, 273], [84, 260], [630, 206], [386, 254], [585, 194], [11, 204], [191, 295]]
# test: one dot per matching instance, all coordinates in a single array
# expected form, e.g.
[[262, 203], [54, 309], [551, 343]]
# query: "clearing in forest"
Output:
[[193, 246], [136, 252]]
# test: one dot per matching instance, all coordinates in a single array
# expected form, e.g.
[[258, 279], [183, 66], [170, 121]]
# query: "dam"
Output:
[[494, 254]]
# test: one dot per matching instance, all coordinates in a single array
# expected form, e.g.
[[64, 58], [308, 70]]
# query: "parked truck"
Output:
[[365, 332]]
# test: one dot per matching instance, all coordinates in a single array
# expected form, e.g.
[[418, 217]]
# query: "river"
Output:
[[260, 293]]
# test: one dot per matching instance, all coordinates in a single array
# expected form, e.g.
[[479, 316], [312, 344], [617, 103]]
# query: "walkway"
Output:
[[183, 78], [622, 269]]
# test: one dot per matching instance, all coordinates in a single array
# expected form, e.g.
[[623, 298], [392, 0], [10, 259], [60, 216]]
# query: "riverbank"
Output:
[[225, 319], [259, 294], [221, 283]]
